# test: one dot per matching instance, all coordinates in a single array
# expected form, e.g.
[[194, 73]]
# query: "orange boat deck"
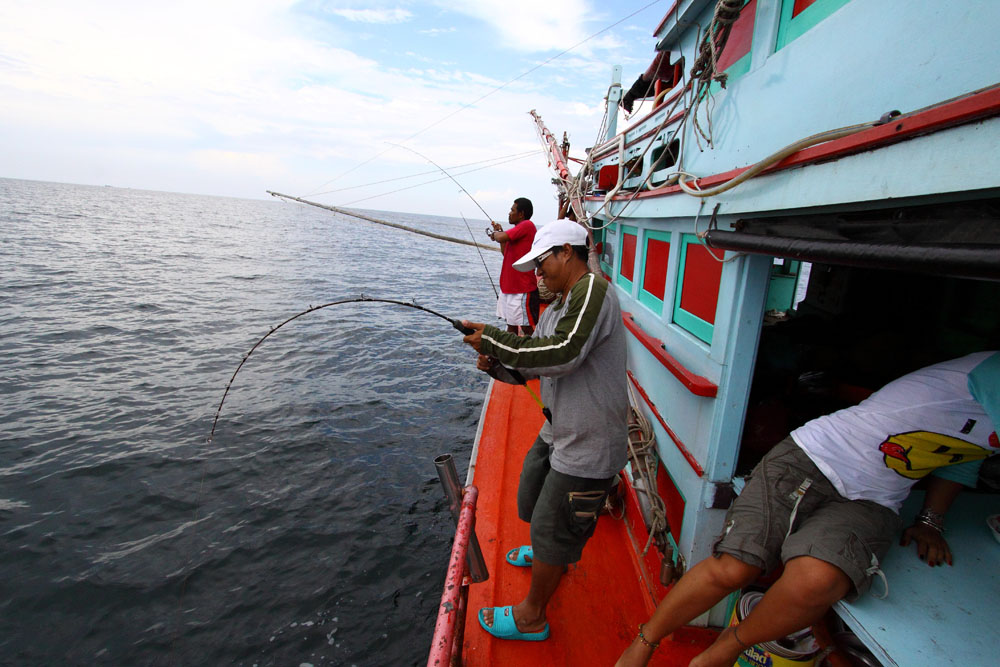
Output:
[[595, 612]]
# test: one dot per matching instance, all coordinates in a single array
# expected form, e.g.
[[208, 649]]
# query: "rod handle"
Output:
[[461, 327]]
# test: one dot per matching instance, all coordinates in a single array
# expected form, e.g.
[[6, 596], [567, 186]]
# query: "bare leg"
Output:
[[806, 590], [695, 593], [529, 614]]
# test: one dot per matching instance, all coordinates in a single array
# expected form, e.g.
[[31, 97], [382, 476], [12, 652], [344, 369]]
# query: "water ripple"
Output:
[[312, 529]]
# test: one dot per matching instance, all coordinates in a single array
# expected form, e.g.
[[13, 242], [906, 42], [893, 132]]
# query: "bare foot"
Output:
[[722, 653], [522, 620], [636, 655]]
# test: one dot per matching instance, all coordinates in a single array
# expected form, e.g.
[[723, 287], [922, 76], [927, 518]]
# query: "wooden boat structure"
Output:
[[852, 144]]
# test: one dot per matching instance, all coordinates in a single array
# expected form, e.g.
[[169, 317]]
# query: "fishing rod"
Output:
[[518, 378], [377, 221], [480, 254], [457, 324]]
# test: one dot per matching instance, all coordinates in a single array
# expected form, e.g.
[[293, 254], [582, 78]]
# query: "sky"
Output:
[[234, 98]]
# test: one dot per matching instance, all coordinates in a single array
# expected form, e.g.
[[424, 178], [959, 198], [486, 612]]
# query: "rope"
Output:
[[643, 454], [413, 230], [691, 188], [637, 162], [705, 68]]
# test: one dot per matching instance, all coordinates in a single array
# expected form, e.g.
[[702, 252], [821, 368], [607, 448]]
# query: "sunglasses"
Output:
[[541, 258]]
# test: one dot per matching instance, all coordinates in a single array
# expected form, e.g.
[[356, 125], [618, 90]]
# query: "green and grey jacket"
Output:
[[578, 351]]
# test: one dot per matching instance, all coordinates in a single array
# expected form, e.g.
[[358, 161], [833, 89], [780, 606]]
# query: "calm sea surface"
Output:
[[312, 530]]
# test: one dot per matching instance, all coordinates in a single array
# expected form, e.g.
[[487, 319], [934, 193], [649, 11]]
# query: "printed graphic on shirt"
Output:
[[916, 454]]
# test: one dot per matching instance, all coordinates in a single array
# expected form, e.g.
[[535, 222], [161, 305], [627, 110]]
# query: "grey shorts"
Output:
[[853, 535], [562, 509]]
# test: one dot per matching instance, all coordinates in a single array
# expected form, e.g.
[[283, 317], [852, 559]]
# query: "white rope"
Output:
[[643, 454]]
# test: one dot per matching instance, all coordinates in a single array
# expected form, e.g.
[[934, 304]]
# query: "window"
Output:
[[798, 16], [781, 290], [626, 270], [609, 246], [656, 253], [699, 278], [661, 159]]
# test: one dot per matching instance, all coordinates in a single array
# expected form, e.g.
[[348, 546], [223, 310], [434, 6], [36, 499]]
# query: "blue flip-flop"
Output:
[[504, 626], [521, 556]]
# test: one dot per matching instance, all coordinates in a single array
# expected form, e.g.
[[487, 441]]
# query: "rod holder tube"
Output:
[[445, 465]]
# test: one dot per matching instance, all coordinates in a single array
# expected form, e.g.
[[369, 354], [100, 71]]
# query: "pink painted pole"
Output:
[[451, 599]]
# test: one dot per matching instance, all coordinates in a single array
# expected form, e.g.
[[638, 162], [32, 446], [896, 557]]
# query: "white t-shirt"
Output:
[[878, 449]]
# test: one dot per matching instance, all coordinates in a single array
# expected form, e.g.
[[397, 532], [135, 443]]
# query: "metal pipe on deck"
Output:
[[445, 465]]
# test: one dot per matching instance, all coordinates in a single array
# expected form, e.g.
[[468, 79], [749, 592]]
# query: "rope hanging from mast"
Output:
[[705, 70]]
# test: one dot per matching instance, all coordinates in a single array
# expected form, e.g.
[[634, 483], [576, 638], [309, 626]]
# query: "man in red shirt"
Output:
[[518, 302]]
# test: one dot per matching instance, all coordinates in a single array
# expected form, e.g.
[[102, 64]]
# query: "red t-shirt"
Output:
[[513, 281]]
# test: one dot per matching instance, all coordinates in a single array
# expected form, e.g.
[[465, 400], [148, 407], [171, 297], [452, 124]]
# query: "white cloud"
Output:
[[237, 97], [529, 25], [434, 32], [374, 15], [233, 161]]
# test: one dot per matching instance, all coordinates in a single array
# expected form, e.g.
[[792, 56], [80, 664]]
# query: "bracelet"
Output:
[[642, 638], [935, 517], [930, 524], [738, 640], [931, 519]]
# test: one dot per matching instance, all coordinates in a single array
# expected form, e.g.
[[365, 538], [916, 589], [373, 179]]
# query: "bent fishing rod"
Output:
[[457, 324]]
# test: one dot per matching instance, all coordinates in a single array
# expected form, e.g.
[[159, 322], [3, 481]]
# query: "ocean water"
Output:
[[312, 529]]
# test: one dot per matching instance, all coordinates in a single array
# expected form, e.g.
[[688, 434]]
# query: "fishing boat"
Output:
[[804, 208]]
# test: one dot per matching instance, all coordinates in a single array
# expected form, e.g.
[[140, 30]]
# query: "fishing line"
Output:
[[513, 373], [435, 180], [498, 160], [457, 324], [446, 174], [480, 254]]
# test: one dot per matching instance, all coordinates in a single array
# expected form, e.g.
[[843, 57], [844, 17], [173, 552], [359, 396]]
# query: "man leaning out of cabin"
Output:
[[825, 502], [578, 351]]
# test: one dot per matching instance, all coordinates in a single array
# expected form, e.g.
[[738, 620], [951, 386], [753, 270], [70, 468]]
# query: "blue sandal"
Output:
[[504, 626], [521, 556]]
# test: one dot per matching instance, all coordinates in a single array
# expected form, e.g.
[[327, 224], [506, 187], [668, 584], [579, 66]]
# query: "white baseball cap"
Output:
[[552, 234]]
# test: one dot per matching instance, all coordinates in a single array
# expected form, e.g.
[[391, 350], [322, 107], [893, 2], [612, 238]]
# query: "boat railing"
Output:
[[449, 630]]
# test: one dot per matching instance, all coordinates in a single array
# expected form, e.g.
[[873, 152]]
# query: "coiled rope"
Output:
[[642, 448]]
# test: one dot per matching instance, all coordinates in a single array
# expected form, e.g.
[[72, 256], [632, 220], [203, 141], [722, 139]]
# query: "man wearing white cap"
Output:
[[578, 351]]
